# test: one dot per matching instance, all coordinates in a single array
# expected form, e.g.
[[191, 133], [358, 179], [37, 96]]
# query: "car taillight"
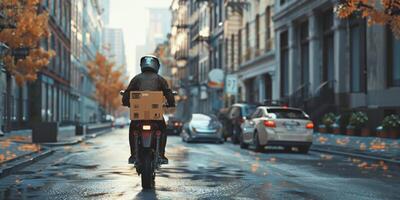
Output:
[[241, 120], [269, 123], [146, 127], [310, 125], [176, 124]]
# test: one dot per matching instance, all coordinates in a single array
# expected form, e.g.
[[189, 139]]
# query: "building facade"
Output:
[[179, 41], [256, 53], [326, 64]]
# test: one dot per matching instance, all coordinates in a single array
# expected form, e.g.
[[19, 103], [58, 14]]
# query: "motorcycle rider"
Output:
[[149, 80]]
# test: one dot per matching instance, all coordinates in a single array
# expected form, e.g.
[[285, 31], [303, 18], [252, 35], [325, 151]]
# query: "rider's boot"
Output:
[[132, 160], [164, 160]]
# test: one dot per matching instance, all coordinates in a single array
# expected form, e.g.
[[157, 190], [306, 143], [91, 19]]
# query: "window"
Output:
[[240, 46], [304, 54], [284, 65], [393, 71], [328, 47], [257, 45], [268, 41], [357, 55]]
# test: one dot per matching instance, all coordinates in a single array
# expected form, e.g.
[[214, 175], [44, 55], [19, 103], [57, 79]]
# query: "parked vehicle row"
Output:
[[262, 126], [253, 125]]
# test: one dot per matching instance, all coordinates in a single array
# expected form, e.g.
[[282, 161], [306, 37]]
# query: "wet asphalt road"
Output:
[[98, 169]]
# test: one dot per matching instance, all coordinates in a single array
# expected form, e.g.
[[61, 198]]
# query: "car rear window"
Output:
[[287, 113]]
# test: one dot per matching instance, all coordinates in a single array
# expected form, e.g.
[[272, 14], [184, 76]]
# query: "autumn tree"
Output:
[[383, 12], [30, 27], [108, 81]]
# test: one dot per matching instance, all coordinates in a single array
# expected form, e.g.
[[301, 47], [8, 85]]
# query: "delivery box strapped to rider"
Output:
[[148, 80]]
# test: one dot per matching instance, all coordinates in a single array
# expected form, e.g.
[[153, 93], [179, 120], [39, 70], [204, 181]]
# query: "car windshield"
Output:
[[247, 110], [282, 113]]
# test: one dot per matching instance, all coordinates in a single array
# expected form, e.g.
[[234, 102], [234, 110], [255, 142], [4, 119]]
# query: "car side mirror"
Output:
[[175, 93], [121, 92], [248, 117]]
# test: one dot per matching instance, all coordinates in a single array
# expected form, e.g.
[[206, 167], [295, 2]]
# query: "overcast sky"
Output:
[[130, 15]]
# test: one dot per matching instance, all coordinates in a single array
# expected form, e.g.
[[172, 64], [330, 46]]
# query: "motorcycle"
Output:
[[147, 136]]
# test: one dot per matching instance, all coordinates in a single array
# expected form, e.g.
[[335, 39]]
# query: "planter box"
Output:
[[44, 132], [365, 132], [322, 129], [336, 130], [393, 133], [352, 131]]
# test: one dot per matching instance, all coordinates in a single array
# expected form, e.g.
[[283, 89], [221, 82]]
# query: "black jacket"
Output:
[[149, 81]]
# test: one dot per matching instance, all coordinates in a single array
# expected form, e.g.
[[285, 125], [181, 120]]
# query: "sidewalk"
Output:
[[370, 147], [19, 143], [17, 149]]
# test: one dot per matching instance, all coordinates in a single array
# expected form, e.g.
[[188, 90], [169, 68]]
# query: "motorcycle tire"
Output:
[[148, 175]]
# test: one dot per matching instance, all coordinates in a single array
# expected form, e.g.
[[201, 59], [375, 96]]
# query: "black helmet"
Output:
[[149, 63]]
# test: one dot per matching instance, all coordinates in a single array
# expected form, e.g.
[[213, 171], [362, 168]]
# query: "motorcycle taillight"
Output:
[[146, 127]]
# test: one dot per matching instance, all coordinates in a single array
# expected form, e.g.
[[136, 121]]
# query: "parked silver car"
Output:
[[277, 126], [202, 128]]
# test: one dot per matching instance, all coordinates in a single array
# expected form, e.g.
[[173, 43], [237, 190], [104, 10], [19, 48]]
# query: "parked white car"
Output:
[[277, 126]]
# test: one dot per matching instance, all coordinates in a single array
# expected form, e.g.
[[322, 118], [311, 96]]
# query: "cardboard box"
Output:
[[146, 105]]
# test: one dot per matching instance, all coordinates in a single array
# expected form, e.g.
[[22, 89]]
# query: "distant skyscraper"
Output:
[[114, 45], [159, 25], [105, 15]]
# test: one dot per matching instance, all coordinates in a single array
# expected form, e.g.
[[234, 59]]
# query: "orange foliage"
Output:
[[376, 12], [31, 27], [108, 81]]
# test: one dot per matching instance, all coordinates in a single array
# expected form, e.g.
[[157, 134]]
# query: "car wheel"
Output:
[[304, 149], [257, 145], [242, 144]]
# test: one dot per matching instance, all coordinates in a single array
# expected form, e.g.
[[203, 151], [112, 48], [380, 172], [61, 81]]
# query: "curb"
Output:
[[96, 134], [369, 157], [24, 163]]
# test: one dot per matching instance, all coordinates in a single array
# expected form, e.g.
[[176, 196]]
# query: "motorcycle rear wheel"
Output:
[[148, 175]]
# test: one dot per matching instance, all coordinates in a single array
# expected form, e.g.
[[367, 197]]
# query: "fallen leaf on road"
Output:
[[254, 167], [343, 141], [322, 140], [326, 157], [363, 165], [363, 147], [377, 145]]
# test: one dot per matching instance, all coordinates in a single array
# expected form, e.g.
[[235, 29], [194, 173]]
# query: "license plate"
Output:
[[290, 127]]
